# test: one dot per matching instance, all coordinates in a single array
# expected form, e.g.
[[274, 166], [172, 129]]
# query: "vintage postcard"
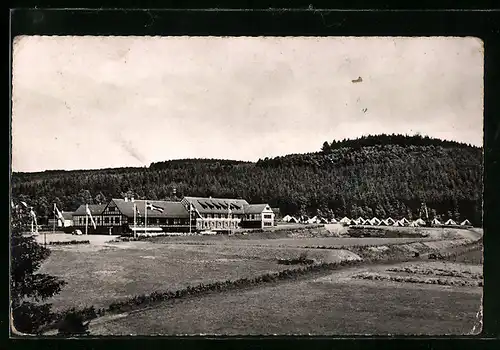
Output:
[[246, 186]]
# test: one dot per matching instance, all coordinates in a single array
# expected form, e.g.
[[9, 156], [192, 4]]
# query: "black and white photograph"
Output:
[[234, 186]]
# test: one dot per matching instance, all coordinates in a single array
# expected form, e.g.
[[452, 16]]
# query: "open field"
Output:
[[289, 242], [331, 305], [99, 275], [64, 237], [104, 272]]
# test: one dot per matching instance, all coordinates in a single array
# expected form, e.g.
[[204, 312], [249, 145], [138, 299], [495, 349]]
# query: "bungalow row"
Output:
[[374, 221], [190, 214]]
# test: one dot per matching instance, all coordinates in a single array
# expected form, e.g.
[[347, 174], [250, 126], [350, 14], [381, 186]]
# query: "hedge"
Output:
[[69, 242]]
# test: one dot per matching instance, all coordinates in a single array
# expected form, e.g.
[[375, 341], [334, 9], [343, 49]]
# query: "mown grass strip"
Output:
[[412, 279]]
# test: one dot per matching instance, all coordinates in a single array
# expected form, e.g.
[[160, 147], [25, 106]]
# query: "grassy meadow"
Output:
[[322, 306], [101, 273]]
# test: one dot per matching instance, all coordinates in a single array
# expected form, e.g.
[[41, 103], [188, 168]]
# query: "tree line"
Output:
[[384, 175]]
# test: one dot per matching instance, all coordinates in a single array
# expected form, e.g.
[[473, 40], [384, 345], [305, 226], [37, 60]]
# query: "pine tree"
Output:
[[27, 287]]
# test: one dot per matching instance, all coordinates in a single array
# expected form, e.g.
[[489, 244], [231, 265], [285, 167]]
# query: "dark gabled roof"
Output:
[[255, 208], [67, 215], [95, 209], [217, 205], [170, 209]]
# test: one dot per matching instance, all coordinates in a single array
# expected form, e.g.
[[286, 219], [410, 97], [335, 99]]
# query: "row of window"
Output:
[[248, 216], [221, 216], [163, 221], [97, 220], [116, 221]]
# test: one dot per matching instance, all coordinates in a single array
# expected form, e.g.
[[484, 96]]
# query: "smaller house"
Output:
[[323, 221], [258, 215], [390, 221], [404, 222], [465, 223], [293, 220], [419, 222], [68, 220], [360, 221], [81, 221], [313, 220], [375, 221], [345, 220], [398, 224], [436, 222], [450, 222], [286, 218], [333, 221]]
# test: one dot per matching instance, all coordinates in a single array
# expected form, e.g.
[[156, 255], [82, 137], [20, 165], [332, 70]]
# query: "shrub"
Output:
[[72, 324], [69, 242]]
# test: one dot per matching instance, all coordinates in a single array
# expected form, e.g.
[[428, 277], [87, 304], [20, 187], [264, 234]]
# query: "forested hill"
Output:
[[385, 175]]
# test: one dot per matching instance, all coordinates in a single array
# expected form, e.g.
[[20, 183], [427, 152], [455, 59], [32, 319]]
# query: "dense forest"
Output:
[[382, 175]]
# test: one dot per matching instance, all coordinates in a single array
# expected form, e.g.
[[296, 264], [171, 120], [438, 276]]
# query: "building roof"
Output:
[[170, 209], [255, 208], [95, 209], [218, 205], [67, 215]]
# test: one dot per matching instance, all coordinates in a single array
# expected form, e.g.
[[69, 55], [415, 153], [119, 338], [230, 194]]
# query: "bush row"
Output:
[[302, 260], [411, 279], [437, 272], [69, 242]]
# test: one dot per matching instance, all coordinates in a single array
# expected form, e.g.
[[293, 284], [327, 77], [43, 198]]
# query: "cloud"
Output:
[[178, 97]]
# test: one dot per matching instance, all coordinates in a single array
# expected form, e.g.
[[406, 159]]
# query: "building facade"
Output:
[[258, 216], [191, 214], [83, 223], [226, 214], [68, 220]]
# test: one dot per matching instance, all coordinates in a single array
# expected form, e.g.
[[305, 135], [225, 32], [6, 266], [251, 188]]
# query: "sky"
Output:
[[103, 102]]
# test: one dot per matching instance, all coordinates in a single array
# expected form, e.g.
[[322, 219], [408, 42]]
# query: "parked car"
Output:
[[77, 232]]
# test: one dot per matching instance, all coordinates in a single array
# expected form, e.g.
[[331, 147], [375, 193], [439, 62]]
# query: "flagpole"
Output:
[[135, 220], [145, 216], [86, 220], [55, 218], [31, 210]]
